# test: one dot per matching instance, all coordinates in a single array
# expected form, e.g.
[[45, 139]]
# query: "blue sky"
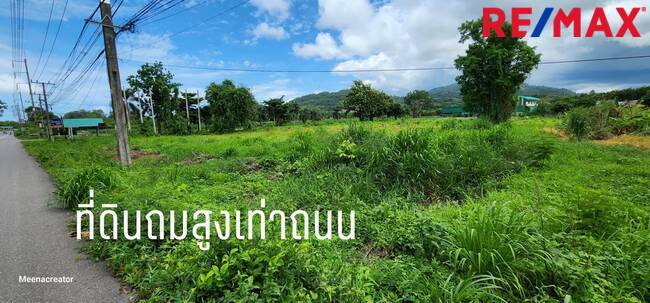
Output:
[[307, 34]]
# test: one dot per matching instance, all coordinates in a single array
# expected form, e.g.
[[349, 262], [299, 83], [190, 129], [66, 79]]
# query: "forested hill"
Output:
[[331, 100], [452, 91], [325, 100]]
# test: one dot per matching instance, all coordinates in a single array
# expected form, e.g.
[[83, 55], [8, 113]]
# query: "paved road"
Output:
[[34, 239]]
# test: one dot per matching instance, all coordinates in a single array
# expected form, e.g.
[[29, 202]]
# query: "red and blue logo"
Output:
[[494, 18]]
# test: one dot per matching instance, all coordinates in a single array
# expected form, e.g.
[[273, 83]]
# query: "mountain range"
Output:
[[444, 94]]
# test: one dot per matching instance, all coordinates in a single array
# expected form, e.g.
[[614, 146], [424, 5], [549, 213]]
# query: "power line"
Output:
[[47, 31], [56, 36], [249, 70], [211, 17], [175, 13]]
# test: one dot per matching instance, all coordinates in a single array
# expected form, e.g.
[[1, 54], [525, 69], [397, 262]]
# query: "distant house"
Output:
[[526, 104], [629, 103], [454, 111], [83, 124]]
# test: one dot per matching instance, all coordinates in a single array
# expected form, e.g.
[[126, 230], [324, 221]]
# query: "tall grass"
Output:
[[75, 189]]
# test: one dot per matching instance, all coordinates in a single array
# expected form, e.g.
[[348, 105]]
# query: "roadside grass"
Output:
[[447, 211]]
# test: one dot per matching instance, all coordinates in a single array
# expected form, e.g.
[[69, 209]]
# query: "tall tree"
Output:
[[277, 110], [366, 102], [493, 69], [156, 81], [3, 107], [231, 107], [417, 101]]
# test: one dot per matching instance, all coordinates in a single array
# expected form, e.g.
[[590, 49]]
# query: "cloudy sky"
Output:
[[331, 35]]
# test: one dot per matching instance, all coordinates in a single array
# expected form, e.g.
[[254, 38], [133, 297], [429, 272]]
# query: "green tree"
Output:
[[493, 69], [3, 107], [155, 80], [36, 114], [98, 113], [417, 101], [366, 102], [277, 110], [231, 107], [394, 110]]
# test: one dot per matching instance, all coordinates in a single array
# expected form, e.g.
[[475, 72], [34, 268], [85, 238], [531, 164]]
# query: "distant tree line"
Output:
[[559, 105]]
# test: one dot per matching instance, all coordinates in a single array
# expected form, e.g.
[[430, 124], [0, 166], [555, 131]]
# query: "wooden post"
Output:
[[114, 81]]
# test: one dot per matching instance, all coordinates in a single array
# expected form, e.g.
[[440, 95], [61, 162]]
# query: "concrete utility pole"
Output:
[[153, 114], [126, 110], [198, 107], [48, 127], [114, 80], [140, 96], [187, 108], [48, 123], [31, 94]]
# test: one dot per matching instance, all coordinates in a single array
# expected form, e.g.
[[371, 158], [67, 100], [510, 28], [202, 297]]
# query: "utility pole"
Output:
[[48, 127], [31, 94], [114, 81], [198, 107], [126, 110], [48, 123], [140, 96], [187, 108], [29, 84], [153, 114]]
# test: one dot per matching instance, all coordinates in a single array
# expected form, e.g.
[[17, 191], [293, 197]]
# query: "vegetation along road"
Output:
[[35, 240]]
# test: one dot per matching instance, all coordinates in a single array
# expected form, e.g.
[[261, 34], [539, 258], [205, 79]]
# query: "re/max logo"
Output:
[[571, 19]]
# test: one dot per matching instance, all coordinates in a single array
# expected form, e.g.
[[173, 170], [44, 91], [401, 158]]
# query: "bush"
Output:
[[604, 120], [578, 123]]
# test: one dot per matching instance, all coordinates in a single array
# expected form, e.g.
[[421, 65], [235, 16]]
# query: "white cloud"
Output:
[[275, 89], [266, 31], [279, 9], [325, 47], [147, 47], [367, 34], [7, 83]]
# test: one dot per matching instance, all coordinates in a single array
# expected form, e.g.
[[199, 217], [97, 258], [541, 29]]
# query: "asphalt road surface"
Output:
[[34, 240]]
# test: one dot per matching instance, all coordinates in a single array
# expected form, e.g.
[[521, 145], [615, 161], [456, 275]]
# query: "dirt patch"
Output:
[[374, 252], [254, 166], [139, 154], [197, 158], [556, 132], [134, 153], [642, 142]]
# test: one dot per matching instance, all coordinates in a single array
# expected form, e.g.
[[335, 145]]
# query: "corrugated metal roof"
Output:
[[87, 122], [527, 98]]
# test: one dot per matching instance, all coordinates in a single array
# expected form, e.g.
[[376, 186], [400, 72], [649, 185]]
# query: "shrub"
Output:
[[601, 121], [577, 122]]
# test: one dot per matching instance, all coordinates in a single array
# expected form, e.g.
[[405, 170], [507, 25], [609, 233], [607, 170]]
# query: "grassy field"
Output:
[[447, 211]]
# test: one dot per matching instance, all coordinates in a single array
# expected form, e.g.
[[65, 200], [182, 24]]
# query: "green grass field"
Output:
[[447, 211]]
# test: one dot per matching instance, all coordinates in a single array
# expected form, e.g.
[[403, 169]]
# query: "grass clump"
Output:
[[75, 189]]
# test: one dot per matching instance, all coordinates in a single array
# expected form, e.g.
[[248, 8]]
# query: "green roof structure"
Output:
[[79, 123]]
